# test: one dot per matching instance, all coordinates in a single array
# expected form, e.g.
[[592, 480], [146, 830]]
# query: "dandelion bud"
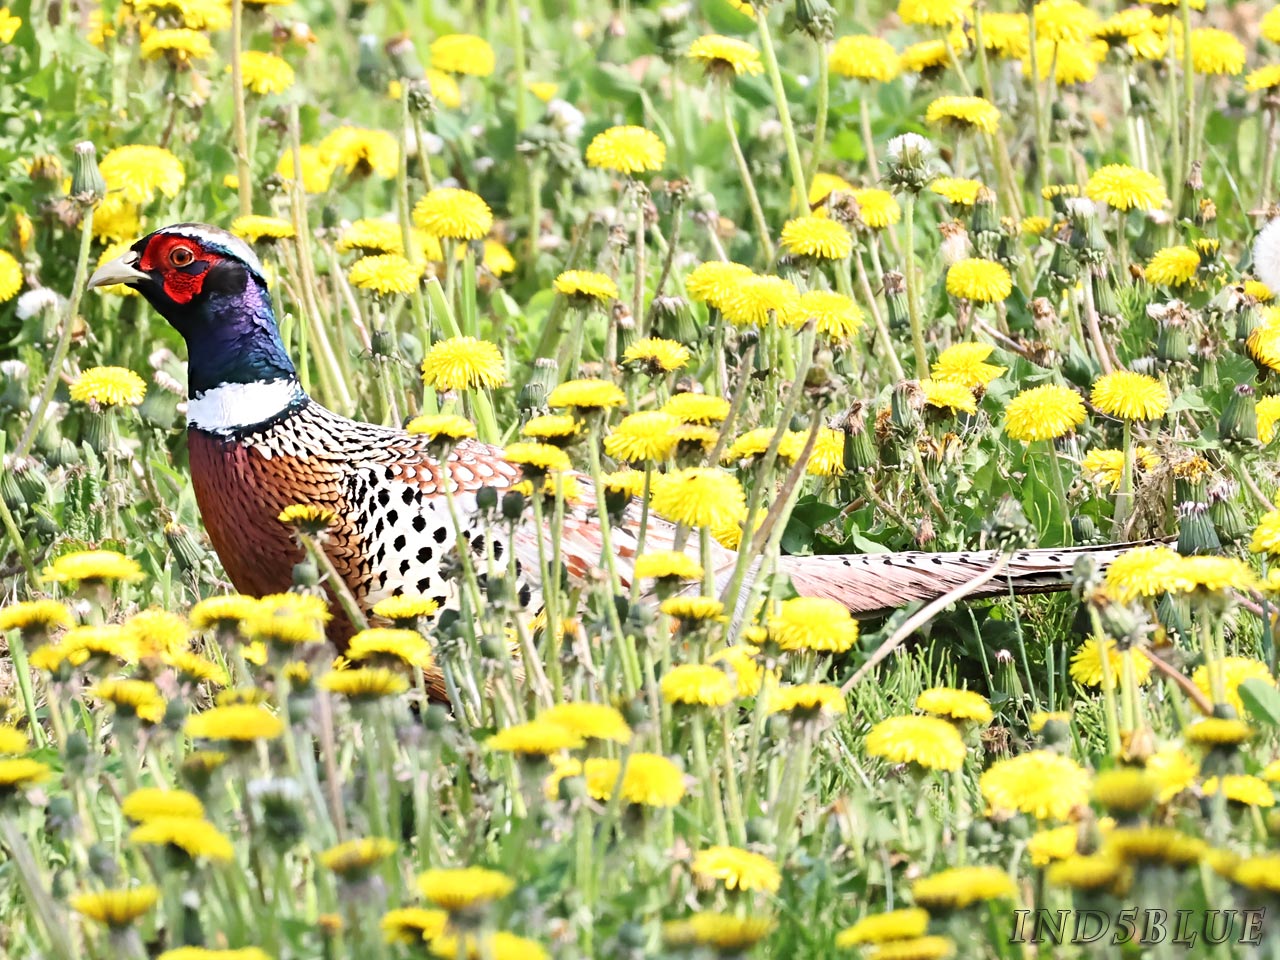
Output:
[[674, 320], [895, 297], [513, 502], [45, 166], [1063, 267], [1084, 528], [184, 547], [423, 103], [1239, 421], [1196, 534], [546, 375], [985, 219], [1224, 511], [859, 451], [87, 185], [403, 56], [905, 404], [369, 71], [306, 574], [1248, 319], [10, 492], [1087, 240], [1172, 345], [1194, 185], [911, 162], [626, 328], [814, 17]]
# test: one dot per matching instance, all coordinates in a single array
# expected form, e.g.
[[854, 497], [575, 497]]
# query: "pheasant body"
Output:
[[259, 444]]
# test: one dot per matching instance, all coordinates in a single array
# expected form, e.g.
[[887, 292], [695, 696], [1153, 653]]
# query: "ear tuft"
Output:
[[226, 277]]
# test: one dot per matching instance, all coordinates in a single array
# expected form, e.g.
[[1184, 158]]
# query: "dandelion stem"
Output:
[[753, 199], [244, 174], [800, 197], [913, 294], [64, 338], [820, 115]]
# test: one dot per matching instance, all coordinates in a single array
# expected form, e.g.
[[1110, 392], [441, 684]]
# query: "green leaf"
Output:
[[1262, 700]]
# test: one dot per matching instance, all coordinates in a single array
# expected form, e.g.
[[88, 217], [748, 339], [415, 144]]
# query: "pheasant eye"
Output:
[[181, 256]]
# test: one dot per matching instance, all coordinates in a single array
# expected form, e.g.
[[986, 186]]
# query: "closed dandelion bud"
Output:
[[910, 162], [10, 492], [895, 296], [382, 343], [403, 56], [1063, 266], [1196, 534], [815, 18], [185, 548], [31, 480], [1194, 184], [306, 573], [369, 72], [87, 185], [14, 393], [626, 326], [674, 319], [985, 218], [1122, 622], [904, 407], [546, 374], [159, 408], [1228, 518], [513, 503], [1087, 239], [175, 715], [76, 752], [1239, 421], [1084, 528], [1104, 296], [98, 431], [859, 451], [1172, 344], [1248, 319], [65, 454], [45, 166], [486, 498], [421, 102]]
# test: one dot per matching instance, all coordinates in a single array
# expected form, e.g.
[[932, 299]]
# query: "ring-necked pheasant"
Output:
[[258, 444]]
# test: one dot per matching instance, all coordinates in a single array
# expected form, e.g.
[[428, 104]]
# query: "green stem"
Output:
[[913, 295], [1188, 93], [64, 337], [820, 118], [801, 195], [1060, 491], [243, 173], [753, 199]]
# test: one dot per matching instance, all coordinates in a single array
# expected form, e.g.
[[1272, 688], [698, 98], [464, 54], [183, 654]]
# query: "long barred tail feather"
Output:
[[876, 583]]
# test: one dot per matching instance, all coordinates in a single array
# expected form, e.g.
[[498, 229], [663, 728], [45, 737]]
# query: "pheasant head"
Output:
[[211, 288]]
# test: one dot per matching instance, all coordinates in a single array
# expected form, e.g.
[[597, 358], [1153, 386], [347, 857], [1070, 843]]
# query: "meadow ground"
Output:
[[804, 277]]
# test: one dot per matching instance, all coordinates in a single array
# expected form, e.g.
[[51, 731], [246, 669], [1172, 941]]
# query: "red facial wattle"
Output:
[[181, 263]]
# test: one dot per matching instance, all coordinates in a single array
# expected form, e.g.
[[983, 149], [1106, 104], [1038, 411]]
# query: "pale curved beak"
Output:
[[123, 269]]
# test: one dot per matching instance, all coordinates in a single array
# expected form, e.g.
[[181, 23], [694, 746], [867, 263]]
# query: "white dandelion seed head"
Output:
[[907, 145], [37, 300], [1266, 254], [13, 369], [566, 118]]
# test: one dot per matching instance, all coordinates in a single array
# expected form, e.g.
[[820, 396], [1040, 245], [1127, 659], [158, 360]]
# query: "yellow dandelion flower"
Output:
[[934, 13], [819, 238], [1088, 872], [626, 150], [356, 856], [239, 723], [894, 925], [148, 803], [1234, 672], [1143, 572], [371, 236], [984, 281], [413, 926], [1044, 413], [698, 684], [447, 425], [758, 300], [307, 516], [33, 615], [1266, 535], [667, 565], [649, 780], [1054, 844], [13, 740], [649, 435], [1008, 35], [458, 889], [1173, 266], [1215, 52], [962, 193], [928, 742], [864, 57], [1268, 409], [699, 497], [1042, 784], [179, 46], [975, 113], [385, 274], [1241, 788], [1218, 732], [264, 73], [935, 947], [453, 213], [537, 738], [116, 908], [806, 701], [463, 363], [109, 387], [954, 704], [592, 721], [225, 611], [692, 609], [405, 606], [544, 90], [1210, 574], [389, 646], [724, 934], [116, 219], [655, 355], [257, 229], [586, 394], [697, 408], [813, 623], [834, 315], [1087, 669], [92, 565], [318, 165], [21, 773], [365, 684], [1130, 396], [736, 868], [9, 25], [714, 281], [965, 364], [462, 53], [878, 208], [10, 276], [1060, 20], [1174, 770], [961, 887], [722, 56], [1123, 187], [1264, 78], [198, 839], [1106, 467], [585, 286], [943, 394], [358, 151]]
